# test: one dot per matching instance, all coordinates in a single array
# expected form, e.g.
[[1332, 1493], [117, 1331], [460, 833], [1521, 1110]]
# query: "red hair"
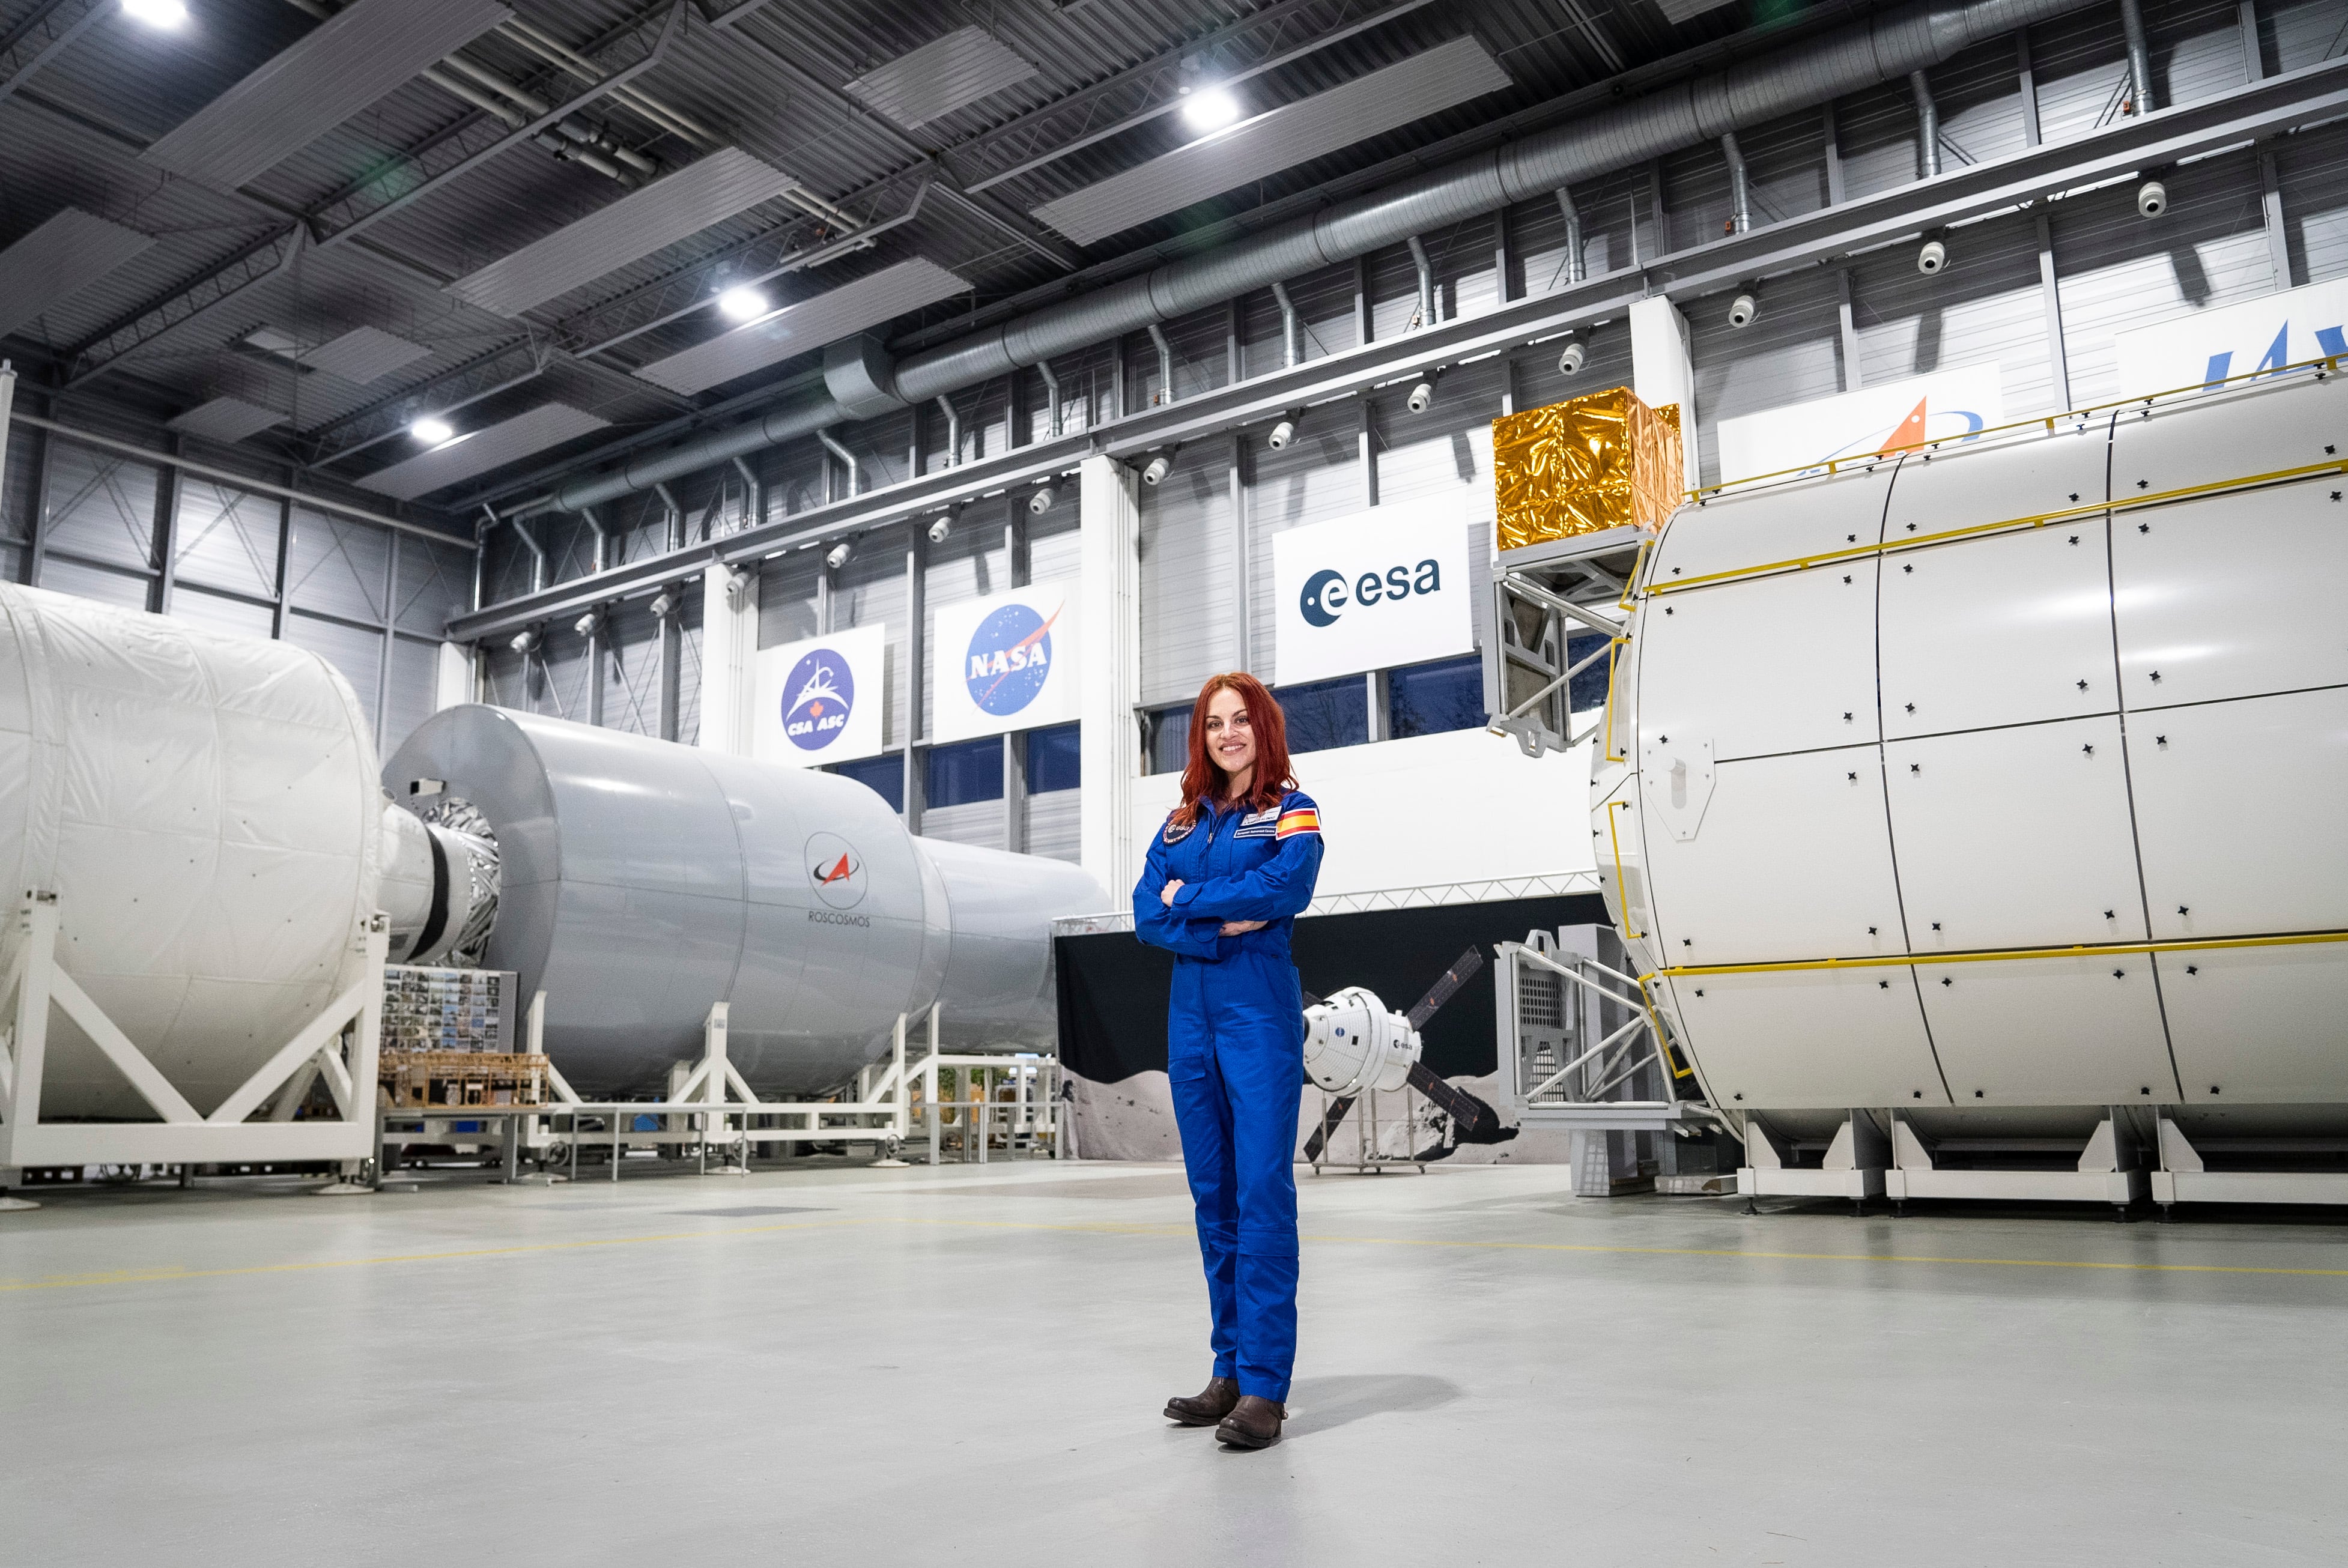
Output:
[[1201, 778]]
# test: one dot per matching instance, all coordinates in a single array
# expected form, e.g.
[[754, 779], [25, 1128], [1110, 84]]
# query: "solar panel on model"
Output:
[[1476, 1122]]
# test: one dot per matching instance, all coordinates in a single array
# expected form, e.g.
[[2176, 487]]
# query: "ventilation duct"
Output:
[[1701, 109]]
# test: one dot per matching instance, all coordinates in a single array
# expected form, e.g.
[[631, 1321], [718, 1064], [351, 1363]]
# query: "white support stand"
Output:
[[2183, 1178], [1853, 1167], [339, 1045], [889, 1159], [2108, 1172]]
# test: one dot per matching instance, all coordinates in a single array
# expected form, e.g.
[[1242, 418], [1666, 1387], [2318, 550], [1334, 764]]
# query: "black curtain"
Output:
[[1114, 987]]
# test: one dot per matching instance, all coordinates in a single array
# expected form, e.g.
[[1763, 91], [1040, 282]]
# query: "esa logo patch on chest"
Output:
[[1176, 832]]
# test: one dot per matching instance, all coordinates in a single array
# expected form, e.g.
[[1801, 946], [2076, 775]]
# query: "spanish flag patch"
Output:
[[1291, 823]]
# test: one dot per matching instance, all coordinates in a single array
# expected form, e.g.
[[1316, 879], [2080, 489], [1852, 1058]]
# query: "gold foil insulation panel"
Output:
[[1594, 463]]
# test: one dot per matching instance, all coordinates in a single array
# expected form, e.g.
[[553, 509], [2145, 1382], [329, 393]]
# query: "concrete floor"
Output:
[[966, 1366]]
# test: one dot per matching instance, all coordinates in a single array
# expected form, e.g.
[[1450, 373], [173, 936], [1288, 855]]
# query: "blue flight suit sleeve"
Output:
[[1280, 887], [1159, 927]]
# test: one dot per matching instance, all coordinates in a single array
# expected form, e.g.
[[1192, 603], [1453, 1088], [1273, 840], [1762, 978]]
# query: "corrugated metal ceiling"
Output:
[[775, 83]]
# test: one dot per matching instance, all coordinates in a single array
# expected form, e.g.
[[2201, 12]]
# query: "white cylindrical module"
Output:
[[206, 811], [2053, 721], [644, 881]]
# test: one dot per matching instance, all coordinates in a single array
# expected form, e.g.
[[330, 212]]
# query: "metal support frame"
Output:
[[339, 1044], [1541, 596], [1369, 1158]]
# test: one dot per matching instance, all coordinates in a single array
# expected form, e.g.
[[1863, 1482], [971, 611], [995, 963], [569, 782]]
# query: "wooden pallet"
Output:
[[417, 1079]]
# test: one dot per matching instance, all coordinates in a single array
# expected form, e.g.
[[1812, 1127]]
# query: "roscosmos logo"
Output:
[[834, 870]]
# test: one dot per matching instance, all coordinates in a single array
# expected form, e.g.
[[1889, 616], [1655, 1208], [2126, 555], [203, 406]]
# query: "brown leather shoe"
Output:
[[1253, 1423], [1208, 1406]]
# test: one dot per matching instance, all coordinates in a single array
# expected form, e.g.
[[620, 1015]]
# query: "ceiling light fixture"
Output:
[[432, 431], [742, 304], [156, 13], [1209, 109]]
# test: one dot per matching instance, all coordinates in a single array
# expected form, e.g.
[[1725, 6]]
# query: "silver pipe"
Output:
[[537, 553], [1572, 234], [506, 114], [754, 493], [1051, 390], [1882, 48], [1165, 363], [2139, 55], [1928, 127], [602, 539], [1425, 317], [953, 431], [481, 548], [676, 515], [497, 83], [844, 454], [1740, 188], [1292, 345]]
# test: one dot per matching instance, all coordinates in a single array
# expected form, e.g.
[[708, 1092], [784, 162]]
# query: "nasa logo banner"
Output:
[[2261, 334], [1369, 592], [819, 700], [1887, 418], [1005, 662]]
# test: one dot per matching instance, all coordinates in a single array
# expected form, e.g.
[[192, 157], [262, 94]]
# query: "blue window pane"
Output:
[[884, 776], [1054, 759], [1326, 713], [1169, 739], [1429, 699], [969, 772], [1589, 688]]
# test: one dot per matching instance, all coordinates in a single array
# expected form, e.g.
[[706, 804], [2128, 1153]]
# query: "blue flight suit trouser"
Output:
[[1235, 1055]]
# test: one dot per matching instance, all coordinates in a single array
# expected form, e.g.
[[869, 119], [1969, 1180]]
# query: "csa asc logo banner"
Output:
[[1381, 588], [1005, 662], [1892, 417], [820, 701], [2261, 334]]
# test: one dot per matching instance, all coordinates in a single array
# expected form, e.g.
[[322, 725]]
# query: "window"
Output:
[[1327, 714], [1589, 688], [1054, 759], [961, 774], [1430, 699], [1169, 739], [884, 776]]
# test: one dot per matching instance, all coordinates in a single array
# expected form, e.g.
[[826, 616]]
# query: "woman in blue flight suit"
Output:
[[1226, 878]]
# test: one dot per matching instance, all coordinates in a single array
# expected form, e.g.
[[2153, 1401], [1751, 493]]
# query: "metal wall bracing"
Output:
[[1190, 569], [81, 520], [971, 562]]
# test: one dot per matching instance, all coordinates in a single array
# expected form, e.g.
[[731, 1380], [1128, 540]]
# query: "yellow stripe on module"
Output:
[[1923, 960]]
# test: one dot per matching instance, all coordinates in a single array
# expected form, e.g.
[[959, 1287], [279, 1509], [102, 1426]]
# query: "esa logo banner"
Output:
[[1381, 588], [1005, 662], [820, 701], [1891, 416], [2261, 334]]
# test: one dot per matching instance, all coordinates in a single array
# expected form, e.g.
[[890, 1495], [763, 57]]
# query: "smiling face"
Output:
[[1230, 738]]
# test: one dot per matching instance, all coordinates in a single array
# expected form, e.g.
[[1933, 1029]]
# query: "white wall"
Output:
[[1465, 807]]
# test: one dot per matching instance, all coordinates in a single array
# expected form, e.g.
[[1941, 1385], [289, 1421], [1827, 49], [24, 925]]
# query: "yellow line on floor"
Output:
[[158, 1275]]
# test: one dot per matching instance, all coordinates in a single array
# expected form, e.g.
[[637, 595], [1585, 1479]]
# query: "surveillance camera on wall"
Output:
[[2151, 199], [1741, 311], [585, 625], [1283, 433], [1159, 467], [523, 641], [663, 605], [1422, 397], [1041, 501], [1570, 361], [1932, 257], [940, 529], [837, 556]]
